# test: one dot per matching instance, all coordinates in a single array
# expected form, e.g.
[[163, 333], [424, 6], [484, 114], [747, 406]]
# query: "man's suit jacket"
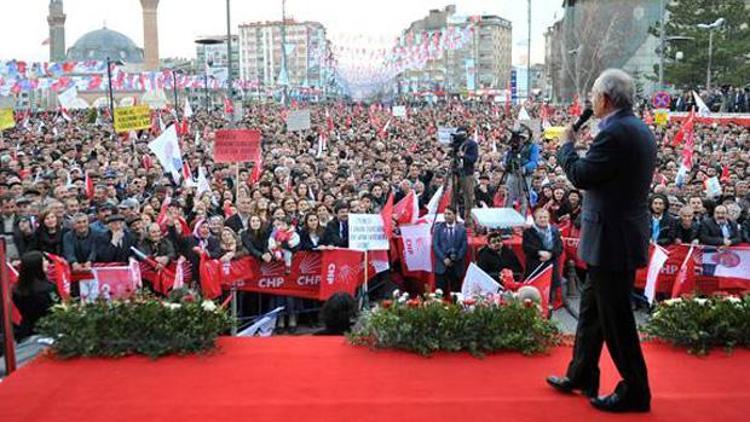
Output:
[[332, 236], [234, 222], [616, 175], [533, 243], [711, 234], [444, 245], [667, 230]]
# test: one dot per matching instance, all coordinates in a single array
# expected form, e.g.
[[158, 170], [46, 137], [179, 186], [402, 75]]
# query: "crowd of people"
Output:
[[78, 190]]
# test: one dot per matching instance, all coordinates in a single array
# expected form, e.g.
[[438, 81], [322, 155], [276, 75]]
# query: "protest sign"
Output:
[[497, 218], [67, 97], [444, 134], [132, 118], [236, 146], [6, 118], [298, 120], [554, 132], [661, 117], [399, 111], [367, 232]]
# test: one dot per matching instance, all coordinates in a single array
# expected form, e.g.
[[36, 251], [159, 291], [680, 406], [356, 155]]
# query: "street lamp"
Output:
[[109, 84], [710, 27], [174, 91], [205, 42]]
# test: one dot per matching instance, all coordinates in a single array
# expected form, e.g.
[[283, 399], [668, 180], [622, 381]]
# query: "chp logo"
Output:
[[272, 275], [309, 269]]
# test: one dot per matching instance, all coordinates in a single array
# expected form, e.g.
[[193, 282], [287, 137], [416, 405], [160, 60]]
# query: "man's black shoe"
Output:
[[565, 385], [617, 404]]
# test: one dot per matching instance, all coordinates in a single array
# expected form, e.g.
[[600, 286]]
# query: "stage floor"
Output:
[[324, 379]]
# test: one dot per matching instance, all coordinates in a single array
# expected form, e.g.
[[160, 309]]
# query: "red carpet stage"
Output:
[[324, 379]]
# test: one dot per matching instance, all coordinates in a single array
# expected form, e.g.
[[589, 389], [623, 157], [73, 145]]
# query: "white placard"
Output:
[[399, 111], [298, 120], [444, 134], [67, 97], [367, 233]]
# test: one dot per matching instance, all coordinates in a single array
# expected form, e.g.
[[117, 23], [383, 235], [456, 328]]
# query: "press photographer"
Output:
[[464, 155], [519, 164]]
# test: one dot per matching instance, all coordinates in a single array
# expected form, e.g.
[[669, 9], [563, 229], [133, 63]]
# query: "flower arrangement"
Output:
[[432, 323], [702, 323], [143, 324]]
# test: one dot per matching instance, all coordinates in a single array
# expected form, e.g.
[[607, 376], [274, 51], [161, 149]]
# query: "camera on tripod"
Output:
[[518, 138], [457, 140]]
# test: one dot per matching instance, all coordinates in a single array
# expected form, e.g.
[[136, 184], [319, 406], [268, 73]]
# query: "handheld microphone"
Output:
[[582, 119]]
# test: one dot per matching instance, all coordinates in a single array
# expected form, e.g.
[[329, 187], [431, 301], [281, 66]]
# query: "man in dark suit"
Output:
[[449, 243], [240, 220], [616, 174], [542, 246], [337, 230], [719, 230]]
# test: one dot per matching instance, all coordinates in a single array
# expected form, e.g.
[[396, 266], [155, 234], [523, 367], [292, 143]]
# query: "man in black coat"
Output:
[[616, 175], [720, 230], [337, 230], [494, 258], [114, 244]]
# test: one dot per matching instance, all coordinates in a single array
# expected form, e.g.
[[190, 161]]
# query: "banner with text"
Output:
[[132, 118], [367, 232], [237, 146], [298, 120], [313, 275], [6, 118]]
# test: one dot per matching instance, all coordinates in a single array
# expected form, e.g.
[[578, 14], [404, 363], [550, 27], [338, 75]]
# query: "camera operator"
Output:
[[465, 155], [519, 164]]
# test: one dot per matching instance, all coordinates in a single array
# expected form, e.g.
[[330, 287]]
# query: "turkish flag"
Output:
[[543, 282], [685, 280], [406, 210]]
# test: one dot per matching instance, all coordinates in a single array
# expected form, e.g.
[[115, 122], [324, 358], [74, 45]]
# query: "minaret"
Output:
[[150, 35], [56, 22]]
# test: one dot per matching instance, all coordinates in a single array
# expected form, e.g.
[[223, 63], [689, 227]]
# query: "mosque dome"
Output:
[[103, 43]]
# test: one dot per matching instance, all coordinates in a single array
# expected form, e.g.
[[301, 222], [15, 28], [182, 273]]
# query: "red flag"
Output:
[[257, 170], [406, 210], [648, 118], [684, 282], [387, 214], [507, 99], [498, 201], [329, 121], [724, 174], [187, 174], [575, 107], [686, 130], [89, 186], [15, 314], [543, 282], [59, 273], [228, 106]]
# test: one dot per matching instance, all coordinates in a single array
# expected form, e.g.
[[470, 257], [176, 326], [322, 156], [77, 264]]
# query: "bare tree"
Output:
[[595, 35]]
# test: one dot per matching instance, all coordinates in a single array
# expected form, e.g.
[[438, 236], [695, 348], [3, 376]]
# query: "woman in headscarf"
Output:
[[33, 295]]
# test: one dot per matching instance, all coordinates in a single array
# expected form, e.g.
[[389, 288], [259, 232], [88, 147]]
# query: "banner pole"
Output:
[[365, 285], [6, 307], [237, 193], [233, 293]]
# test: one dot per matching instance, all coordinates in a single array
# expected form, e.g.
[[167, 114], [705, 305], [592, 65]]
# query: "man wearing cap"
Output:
[[103, 211], [114, 245]]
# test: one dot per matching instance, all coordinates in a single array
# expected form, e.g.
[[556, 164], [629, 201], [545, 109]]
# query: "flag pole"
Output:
[[233, 296], [237, 193], [365, 286]]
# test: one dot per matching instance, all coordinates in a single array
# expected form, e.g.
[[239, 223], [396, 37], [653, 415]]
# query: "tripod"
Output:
[[519, 184]]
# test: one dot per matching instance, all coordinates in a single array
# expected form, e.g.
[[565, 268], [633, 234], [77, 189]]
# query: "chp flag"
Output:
[[167, 150]]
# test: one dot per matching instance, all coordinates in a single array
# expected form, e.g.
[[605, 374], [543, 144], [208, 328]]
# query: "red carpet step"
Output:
[[324, 379]]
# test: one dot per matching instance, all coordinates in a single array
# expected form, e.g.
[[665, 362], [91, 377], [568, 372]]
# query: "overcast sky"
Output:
[[24, 23]]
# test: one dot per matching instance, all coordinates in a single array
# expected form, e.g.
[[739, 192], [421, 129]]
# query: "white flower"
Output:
[[62, 306], [734, 299], [439, 292], [402, 299], [172, 306], [396, 293], [674, 301], [208, 305], [700, 301], [405, 295]]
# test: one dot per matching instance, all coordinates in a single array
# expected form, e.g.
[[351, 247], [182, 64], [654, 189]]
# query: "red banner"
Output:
[[313, 275], [236, 146]]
